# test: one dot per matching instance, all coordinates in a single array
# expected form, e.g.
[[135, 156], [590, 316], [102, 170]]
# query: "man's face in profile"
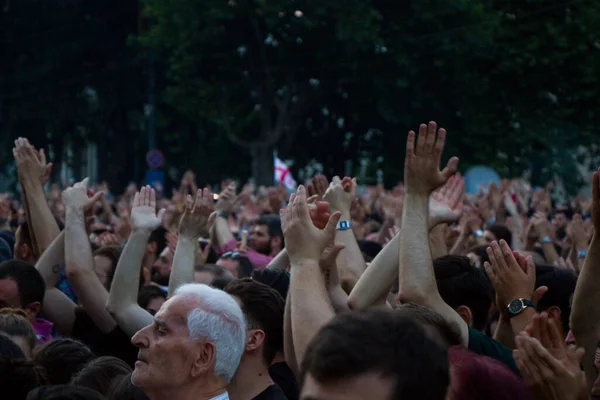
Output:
[[260, 240]]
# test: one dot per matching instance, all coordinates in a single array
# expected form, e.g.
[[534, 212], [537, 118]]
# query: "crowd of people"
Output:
[[418, 292]]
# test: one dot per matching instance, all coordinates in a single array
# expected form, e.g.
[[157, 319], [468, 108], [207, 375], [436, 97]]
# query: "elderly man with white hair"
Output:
[[193, 348]]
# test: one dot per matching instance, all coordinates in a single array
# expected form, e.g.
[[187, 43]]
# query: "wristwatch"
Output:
[[546, 239], [517, 306], [223, 214], [478, 233], [344, 225], [582, 253]]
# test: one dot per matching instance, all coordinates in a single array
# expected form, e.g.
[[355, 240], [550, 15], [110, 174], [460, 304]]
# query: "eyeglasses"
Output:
[[233, 254]]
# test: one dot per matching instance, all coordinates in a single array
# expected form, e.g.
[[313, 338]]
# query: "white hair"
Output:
[[219, 319]]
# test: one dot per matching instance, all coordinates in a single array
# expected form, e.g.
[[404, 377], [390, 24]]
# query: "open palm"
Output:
[[143, 213]]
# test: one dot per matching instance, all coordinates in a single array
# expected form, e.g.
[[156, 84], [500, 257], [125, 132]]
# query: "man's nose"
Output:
[[140, 339]]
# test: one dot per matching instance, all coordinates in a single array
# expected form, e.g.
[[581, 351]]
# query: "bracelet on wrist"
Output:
[[223, 214]]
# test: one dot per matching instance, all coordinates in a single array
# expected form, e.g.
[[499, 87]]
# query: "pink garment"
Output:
[[258, 260], [43, 330]]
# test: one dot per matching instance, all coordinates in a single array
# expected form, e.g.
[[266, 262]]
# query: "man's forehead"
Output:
[[176, 309]]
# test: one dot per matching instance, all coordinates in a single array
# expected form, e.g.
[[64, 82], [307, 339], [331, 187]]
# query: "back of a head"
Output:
[[434, 324], [100, 374], [501, 232], [561, 286], [383, 342], [17, 374], [15, 323], [30, 283], [158, 236], [263, 308], [148, 293], [62, 359], [124, 389], [275, 278], [476, 376], [245, 267], [461, 284], [219, 319], [64, 392]]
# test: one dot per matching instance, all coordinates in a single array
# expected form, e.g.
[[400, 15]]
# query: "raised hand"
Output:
[[319, 186], [422, 173], [511, 274], [76, 197], [547, 365], [304, 241], [444, 204], [341, 194], [227, 199], [577, 233], [143, 212], [31, 163], [194, 221], [540, 224]]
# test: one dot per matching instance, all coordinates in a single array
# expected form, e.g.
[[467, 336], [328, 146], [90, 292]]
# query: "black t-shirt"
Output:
[[273, 392], [285, 379], [482, 344], [115, 343]]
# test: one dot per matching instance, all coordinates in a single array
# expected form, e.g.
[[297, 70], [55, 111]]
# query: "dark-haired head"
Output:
[[105, 263], [151, 297], [100, 374], [275, 278], [22, 286], [263, 308], [557, 300], [498, 232], [237, 263], [17, 374], [123, 389], [62, 392], [375, 354], [62, 359], [266, 236], [464, 288], [15, 324]]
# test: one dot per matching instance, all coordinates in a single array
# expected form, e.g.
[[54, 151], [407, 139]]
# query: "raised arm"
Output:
[[422, 176], [57, 307], [122, 300], [281, 261], [585, 314], [193, 222], [340, 195], [33, 174], [220, 231], [376, 282], [310, 307], [80, 262]]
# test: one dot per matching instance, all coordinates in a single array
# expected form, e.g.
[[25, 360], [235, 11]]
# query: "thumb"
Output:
[[451, 167], [161, 214], [333, 253], [538, 294], [211, 218], [97, 196], [332, 223], [49, 168]]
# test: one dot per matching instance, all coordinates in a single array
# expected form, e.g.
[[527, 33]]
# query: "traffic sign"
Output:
[[155, 159]]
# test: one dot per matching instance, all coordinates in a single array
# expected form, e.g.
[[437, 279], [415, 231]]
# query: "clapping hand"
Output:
[[548, 366], [31, 163], [194, 221], [341, 194], [445, 203], [76, 196], [304, 241]]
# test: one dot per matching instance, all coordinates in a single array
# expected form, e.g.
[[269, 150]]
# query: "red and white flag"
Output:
[[283, 174]]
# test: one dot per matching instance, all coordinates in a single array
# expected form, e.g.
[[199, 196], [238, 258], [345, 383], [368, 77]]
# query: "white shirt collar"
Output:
[[222, 396]]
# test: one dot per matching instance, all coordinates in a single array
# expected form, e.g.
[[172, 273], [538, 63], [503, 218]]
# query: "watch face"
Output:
[[515, 306]]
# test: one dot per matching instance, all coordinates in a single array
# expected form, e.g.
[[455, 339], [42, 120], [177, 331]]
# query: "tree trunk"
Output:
[[262, 165]]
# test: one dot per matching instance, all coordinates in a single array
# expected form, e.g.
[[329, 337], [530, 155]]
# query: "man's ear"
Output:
[[33, 309], [465, 314], [256, 338], [206, 355]]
